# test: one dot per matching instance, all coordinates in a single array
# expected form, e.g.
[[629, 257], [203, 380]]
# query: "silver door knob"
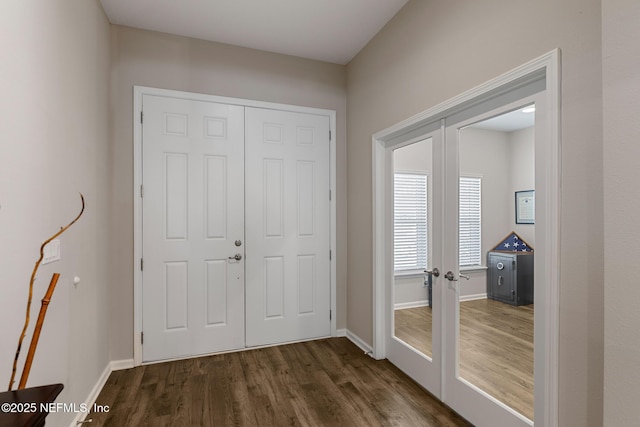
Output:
[[237, 257], [449, 276], [434, 271]]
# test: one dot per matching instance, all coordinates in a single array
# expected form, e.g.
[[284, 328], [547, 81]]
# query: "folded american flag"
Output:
[[513, 243]]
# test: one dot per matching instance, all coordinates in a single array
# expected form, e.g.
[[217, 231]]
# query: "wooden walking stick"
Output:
[[36, 331], [31, 282]]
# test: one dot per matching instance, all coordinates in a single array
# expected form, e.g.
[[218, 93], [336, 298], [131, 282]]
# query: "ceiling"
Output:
[[509, 122], [325, 30]]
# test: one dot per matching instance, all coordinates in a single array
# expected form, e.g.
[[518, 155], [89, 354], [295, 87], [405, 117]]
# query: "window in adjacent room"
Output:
[[410, 223], [470, 221]]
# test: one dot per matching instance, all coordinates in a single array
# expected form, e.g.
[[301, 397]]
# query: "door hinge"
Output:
[[141, 337], [330, 313], [141, 117], [330, 254], [329, 194], [141, 190], [329, 135], [141, 264]]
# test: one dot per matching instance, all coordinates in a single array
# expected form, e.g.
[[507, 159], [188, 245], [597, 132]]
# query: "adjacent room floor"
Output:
[[328, 382], [496, 347]]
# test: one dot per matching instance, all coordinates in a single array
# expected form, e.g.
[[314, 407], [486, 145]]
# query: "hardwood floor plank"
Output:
[[327, 382], [239, 393]]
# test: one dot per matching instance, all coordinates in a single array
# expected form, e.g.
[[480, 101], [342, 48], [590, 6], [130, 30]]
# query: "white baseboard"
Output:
[[115, 365], [341, 332], [473, 297], [411, 304], [93, 395], [119, 365], [359, 342]]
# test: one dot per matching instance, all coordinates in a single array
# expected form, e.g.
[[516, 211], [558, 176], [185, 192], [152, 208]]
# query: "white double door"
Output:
[[235, 227], [428, 344]]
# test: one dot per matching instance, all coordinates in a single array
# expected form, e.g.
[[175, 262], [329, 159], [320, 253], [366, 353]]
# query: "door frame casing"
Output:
[[138, 93], [545, 69]]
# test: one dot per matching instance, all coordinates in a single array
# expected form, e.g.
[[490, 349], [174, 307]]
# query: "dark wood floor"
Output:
[[496, 347], [327, 382]]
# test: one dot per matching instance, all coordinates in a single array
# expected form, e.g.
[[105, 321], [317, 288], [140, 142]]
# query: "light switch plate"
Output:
[[51, 251]]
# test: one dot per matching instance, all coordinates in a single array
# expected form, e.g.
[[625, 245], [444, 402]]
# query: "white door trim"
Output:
[[138, 93], [547, 70]]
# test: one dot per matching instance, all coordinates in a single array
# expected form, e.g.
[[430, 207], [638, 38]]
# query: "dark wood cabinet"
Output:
[[510, 277], [24, 408]]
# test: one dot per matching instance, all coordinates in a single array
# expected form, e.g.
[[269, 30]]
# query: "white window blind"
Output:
[[470, 221], [410, 222]]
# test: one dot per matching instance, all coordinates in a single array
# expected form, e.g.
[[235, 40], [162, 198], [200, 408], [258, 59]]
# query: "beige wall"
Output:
[[522, 164], [621, 84], [54, 81], [160, 60], [434, 50], [486, 153]]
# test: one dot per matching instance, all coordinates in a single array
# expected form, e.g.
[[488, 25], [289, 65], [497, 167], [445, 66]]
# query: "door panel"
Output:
[[414, 332], [287, 224], [193, 180], [486, 380]]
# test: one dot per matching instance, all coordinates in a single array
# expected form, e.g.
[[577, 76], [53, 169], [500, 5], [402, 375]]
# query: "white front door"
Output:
[[219, 203], [193, 182], [288, 229]]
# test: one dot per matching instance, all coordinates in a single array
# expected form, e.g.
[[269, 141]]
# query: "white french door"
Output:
[[536, 82], [414, 330], [425, 341], [477, 396], [232, 192]]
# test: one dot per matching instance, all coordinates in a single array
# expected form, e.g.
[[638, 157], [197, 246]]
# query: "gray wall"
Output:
[[160, 60], [621, 83], [54, 143], [432, 51]]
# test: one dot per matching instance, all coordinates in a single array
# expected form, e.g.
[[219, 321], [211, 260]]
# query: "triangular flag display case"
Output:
[[513, 243], [510, 271]]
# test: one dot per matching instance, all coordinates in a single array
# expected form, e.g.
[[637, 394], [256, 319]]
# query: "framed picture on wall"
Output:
[[525, 207]]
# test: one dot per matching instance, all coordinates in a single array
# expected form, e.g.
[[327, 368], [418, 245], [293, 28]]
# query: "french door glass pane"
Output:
[[495, 321], [412, 239]]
